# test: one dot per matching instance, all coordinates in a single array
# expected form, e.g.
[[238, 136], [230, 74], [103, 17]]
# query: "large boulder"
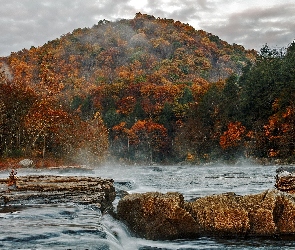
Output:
[[167, 216], [232, 215], [157, 216]]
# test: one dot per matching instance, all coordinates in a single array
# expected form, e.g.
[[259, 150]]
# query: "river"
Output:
[[74, 226]]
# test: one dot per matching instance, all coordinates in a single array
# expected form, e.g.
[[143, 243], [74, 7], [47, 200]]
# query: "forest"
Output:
[[147, 90]]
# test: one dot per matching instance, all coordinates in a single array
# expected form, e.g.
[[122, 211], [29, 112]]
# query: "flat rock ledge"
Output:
[[58, 189], [158, 216]]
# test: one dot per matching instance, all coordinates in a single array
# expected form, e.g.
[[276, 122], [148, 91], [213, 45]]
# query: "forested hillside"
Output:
[[146, 90]]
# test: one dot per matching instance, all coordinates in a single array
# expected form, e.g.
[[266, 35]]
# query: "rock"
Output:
[[285, 181], [26, 163], [220, 215], [260, 209], [59, 189], [232, 215], [159, 216], [284, 214], [289, 169]]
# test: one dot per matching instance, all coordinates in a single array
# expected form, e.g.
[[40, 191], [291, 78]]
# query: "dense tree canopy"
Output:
[[147, 89]]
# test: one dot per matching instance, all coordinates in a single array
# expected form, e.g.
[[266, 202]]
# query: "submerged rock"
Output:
[[167, 216], [59, 189]]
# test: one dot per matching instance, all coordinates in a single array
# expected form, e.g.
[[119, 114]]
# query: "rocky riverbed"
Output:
[[166, 216]]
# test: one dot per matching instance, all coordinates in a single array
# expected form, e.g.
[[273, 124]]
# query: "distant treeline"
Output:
[[147, 90]]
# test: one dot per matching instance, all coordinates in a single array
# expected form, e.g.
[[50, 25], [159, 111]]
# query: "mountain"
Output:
[[114, 74]]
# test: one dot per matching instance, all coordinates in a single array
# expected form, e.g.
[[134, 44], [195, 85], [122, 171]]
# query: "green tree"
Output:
[[111, 118], [168, 119], [260, 88], [87, 109], [230, 104], [287, 83], [209, 106], [187, 96]]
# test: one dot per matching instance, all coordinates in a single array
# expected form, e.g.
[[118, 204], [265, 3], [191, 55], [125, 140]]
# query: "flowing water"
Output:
[[73, 226]]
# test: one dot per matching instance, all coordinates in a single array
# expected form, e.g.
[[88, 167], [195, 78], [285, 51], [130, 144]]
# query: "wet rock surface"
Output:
[[285, 179], [58, 189], [167, 216], [157, 216]]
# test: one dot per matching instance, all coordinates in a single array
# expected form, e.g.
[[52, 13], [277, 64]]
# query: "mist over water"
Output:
[[192, 181], [73, 226]]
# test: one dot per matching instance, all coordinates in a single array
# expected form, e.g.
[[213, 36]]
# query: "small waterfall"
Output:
[[118, 235]]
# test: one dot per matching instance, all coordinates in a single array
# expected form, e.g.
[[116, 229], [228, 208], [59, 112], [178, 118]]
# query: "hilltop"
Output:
[[162, 51]]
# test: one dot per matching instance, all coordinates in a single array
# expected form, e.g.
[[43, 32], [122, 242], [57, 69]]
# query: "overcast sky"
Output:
[[251, 23]]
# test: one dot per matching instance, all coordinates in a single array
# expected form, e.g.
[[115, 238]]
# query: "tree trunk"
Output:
[[44, 146]]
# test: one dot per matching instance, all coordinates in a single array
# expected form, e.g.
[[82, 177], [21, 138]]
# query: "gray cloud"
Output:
[[184, 10], [26, 23], [255, 27]]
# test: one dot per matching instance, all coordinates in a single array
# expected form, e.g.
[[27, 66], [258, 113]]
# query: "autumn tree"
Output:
[[2, 124], [90, 140], [232, 140], [191, 138], [149, 140], [279, 134], [120, 147], [45, 125], [16, 101]]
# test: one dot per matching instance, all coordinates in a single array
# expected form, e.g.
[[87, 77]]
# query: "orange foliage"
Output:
[[280, 131], [233, 136], [152, 134], [126, 105], [199, 87]]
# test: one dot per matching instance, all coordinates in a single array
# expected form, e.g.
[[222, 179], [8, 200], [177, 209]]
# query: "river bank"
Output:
[[9, 163]]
